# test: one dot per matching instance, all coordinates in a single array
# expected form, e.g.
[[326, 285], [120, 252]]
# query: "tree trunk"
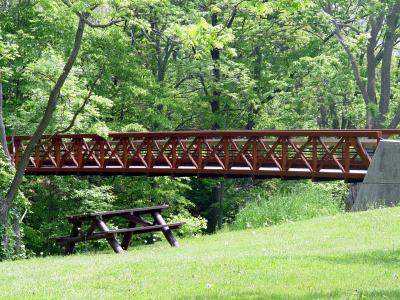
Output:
[[216, 213], [4, 233], [252, 110], [3, 142], [387, 54], [7, 202], [3, 137], [322, 119], [220, 195], [160, 64], [215, 97], [354, 65], [17, 235], [335, 117], [376, 25], [352, 195], [345, 121]]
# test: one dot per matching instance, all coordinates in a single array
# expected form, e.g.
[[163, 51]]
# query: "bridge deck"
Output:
[[317, 154]]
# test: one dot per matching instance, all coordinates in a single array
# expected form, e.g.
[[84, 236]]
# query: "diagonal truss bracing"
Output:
[[316, 154]]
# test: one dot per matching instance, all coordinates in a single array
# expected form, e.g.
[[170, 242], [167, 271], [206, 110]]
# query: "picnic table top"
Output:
[[121, 212], [136, 230]]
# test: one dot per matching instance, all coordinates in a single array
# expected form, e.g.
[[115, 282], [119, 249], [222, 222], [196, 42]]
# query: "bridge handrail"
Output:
[[374, 134]]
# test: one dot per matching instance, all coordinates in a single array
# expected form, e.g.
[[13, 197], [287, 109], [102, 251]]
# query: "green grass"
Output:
[[299, 204], [346, 256]]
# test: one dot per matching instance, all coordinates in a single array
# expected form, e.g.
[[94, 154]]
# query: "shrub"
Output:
[[298, 203], [193, 225]]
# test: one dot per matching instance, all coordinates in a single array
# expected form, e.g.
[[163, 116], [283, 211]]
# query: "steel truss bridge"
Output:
[[315, 154]]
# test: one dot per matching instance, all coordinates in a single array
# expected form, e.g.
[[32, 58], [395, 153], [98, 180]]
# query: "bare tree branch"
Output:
[[203, 84], [85, 17], [81, 108], [96, 25], [353, 61], [182, 81]]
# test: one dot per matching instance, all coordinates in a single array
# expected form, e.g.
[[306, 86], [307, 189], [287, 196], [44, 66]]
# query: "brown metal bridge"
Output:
[[315, 154]]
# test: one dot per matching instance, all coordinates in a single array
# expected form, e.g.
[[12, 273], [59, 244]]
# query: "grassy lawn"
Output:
[[348, 256]]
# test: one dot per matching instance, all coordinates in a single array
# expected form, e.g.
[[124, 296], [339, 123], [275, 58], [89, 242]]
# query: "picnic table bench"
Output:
[[98, 229]]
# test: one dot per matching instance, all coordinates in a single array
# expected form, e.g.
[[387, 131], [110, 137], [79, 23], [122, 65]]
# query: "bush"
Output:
[[300, 202], [193, 225]]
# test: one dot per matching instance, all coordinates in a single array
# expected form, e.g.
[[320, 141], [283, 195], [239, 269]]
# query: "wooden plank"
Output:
[[102, 235], [121, 212]]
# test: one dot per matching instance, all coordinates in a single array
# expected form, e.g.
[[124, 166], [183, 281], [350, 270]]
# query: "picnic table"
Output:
[[96, 227]]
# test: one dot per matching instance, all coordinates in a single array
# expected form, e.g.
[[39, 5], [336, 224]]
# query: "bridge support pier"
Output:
[[381, 185]]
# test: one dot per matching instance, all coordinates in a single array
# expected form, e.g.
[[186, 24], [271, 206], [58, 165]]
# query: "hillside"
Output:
[[348, 256]]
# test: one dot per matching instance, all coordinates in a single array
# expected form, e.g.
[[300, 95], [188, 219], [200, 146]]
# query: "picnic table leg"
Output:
[[69, 247], [165, 230], [112, 241], [127, 236]]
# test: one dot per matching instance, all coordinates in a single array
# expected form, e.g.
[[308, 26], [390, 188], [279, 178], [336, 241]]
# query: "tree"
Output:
[[368, 31], [7, 202], [182, 65]]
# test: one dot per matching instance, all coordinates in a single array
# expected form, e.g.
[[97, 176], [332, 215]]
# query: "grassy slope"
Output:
[[350, 256]]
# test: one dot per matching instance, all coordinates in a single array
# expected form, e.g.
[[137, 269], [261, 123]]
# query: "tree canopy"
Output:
[[127, 65]]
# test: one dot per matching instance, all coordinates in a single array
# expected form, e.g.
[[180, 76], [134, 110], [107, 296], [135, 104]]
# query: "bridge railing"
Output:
[[317, 154]]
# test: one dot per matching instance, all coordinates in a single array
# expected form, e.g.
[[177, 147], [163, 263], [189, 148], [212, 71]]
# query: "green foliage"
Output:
[[297, 203], [194, 226], [52, 200], [278, 67], [20, 203], [8, 53]]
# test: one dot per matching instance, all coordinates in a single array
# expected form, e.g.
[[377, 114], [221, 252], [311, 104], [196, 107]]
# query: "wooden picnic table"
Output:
[[98, 229]]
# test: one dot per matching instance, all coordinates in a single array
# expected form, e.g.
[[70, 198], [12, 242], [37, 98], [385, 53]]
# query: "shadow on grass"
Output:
[[381, 257], [378, 294]]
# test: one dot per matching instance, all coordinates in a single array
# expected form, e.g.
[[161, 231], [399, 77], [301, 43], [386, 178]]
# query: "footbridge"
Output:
[[315, 154]]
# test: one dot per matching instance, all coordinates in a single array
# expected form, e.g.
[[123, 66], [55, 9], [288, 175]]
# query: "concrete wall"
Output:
[[381, 186]]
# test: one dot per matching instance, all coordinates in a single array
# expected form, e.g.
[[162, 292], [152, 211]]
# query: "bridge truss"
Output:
[[316, 154]]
